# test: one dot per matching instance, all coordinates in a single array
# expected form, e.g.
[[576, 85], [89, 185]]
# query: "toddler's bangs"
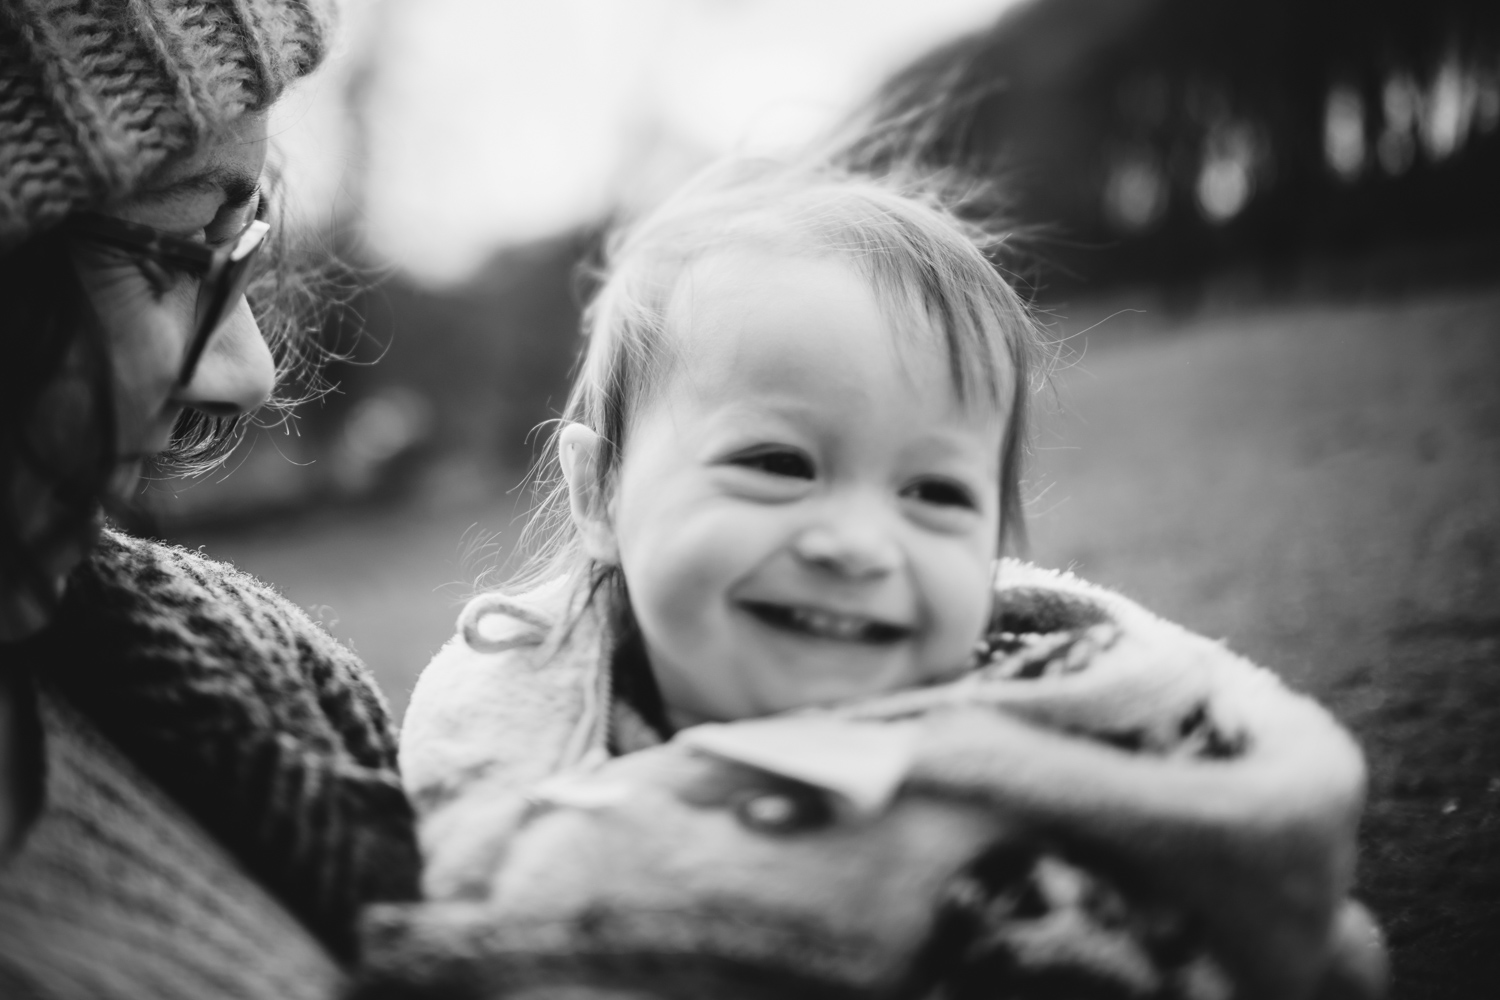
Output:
[[927, 268]]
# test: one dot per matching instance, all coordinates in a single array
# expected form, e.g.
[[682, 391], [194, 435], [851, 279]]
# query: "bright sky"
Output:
[[498, 121]]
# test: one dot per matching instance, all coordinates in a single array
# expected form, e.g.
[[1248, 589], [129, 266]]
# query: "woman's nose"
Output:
[[236, 372], [854, 546]]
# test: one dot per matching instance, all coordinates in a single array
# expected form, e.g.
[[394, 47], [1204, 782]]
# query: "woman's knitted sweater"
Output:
[[260, 725]]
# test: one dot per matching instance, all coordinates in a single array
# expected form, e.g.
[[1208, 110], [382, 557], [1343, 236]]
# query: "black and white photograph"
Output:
[[749, 500]]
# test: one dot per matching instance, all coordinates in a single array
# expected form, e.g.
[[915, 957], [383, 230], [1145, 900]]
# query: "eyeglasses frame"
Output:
[[223, 272]]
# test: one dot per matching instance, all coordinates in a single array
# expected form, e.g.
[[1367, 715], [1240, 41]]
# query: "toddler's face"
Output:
[[804, 512]]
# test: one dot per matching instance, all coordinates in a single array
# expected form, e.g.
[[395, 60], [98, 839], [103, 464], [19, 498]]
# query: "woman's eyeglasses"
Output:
[[223, 272]]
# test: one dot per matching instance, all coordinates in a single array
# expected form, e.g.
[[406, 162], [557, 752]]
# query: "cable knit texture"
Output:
[[96, 95], [264, 728]]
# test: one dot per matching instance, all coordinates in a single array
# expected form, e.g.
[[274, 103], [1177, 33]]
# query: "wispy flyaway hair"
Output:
[[929, 270]]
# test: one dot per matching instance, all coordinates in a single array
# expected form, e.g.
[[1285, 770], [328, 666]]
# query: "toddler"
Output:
[[786, 469], [792, 451]]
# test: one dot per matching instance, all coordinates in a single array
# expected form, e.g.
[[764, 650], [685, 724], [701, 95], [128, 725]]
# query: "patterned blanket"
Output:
[[1106, 806]]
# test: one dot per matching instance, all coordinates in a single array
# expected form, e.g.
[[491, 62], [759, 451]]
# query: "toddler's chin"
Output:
[[840, 686]]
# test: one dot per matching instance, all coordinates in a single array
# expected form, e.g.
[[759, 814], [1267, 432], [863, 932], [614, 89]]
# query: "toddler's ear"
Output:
[[578, 451]]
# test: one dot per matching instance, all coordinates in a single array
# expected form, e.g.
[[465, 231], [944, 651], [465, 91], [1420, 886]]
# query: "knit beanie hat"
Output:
[[96, 95]]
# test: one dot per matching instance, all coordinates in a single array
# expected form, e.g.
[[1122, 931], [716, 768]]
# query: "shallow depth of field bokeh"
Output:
[[1276, 412]]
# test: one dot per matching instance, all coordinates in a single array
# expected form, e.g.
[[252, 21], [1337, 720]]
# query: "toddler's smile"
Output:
[[804, 511], [821, 623]]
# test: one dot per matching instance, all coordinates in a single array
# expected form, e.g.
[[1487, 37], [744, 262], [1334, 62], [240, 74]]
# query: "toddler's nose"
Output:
[[849, 548]]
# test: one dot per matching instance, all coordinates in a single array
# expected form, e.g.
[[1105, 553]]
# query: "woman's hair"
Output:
[[900, 231], [52, 328]]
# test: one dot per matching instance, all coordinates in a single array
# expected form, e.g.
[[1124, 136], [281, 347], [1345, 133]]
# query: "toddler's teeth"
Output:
[[845, 627], [829, 624]]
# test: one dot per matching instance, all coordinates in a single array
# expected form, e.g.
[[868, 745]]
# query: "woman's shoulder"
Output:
[[186, 596], [244, 710], [144, 615], [147, 580]]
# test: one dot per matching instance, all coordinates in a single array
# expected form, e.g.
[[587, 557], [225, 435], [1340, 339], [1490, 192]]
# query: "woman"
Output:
[[185, 758]]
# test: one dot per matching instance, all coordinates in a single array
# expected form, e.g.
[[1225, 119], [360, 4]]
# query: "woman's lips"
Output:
[[823, 623]]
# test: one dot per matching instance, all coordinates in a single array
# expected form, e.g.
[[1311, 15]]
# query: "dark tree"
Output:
[[1142, 139]]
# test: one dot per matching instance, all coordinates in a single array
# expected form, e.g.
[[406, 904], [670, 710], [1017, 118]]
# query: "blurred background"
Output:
[[1265, 234]]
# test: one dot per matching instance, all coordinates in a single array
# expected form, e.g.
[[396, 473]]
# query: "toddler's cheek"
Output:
[[962, 601], [679, 584]]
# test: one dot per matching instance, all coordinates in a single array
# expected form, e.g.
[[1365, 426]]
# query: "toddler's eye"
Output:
[[776, 461], [942, 493]]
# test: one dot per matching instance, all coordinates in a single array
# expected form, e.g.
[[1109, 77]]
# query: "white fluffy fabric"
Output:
[[1106, 804]]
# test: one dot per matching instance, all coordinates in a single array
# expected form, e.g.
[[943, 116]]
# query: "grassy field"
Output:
[[1320, 486], [1317, 484], [388, 582]]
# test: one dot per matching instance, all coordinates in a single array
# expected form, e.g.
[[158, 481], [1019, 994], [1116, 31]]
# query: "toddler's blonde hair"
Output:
[[922, 261]]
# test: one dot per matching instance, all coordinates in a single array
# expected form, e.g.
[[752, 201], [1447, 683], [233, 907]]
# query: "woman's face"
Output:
[[146, 321]]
